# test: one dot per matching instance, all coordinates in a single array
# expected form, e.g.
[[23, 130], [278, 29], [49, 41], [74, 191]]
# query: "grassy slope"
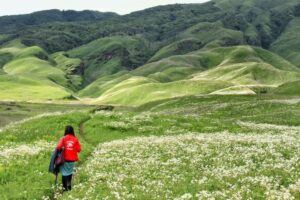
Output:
[[169, 28], [44, 130], [230, 70], [192, 73], [11, 112], [31, 65], [16, 43], [170, 69], [65, 63], [27, 88], [182, 65], [205, 59], [37, 68], [204, 34], [251, 66], [289, 88], [101, 85], [110, 55], [30, 74], [72, 67], [214, 115], [177, 48], [161, 33], [287, 45], [33, 51], [249, 73], [136, 93]]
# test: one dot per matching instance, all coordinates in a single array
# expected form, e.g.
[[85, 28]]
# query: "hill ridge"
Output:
[[229, 46]]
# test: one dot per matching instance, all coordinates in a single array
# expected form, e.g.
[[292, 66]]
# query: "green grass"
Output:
[[205, 59], [179, 132], [35, 67], [98, 87], [5, 57], [15, 111], [243, 67], [36, 181], [177, 48], [72, 67], [235, 90], [249, 74], [182, 64], [16, 43], [31, 65], [11, 50], [65, 63], [194, 128], [173, 74], [224, 111], [227, 70], [179, 66], [30, 74], [208, 33], [136, 94], [289, 88], [107, 56], [33, 51], [23, 88], [287, 45]]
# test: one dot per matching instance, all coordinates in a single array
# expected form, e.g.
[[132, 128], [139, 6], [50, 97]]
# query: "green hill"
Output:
[[33, 51], [137, 91], [226, 70], [177, 48], [205, 59], [250, 73], [218, 47], [288, 43], [98, 87], [202, 35], [110, 55], [289, 88], [167, 30], [30, 74], [73, 69], [27, 88]]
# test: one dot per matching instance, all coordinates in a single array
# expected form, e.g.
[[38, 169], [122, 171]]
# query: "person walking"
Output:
[[70, 146]]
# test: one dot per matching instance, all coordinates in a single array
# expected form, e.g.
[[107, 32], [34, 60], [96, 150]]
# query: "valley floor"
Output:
[[205, 147]]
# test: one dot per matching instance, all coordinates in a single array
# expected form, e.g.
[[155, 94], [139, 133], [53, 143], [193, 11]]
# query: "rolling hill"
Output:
[[223, 70], [289, 88], [220, 47], [30, 74]]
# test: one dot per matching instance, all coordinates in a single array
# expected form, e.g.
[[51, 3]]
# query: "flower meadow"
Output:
[[194, 166], [25, 150], [14, 152], [187, 148]]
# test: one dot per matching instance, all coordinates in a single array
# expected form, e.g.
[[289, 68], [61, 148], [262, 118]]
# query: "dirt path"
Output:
[[81, 130]]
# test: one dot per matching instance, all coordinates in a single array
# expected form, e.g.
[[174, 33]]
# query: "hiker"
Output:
[[71, 147]]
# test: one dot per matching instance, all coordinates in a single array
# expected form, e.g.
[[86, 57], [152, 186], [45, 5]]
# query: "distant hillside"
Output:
[[17, 22], [289, 88], [259, 23], [31, 74], [41, 26], [230, 70], [220, 47]]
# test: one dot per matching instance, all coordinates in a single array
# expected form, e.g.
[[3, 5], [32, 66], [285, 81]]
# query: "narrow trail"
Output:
[[81, 130], [85, 140]]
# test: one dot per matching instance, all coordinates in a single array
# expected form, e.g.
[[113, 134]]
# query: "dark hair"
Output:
[[69, 130]]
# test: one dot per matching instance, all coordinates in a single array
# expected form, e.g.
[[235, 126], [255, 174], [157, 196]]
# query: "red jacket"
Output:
[[71, 146]]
